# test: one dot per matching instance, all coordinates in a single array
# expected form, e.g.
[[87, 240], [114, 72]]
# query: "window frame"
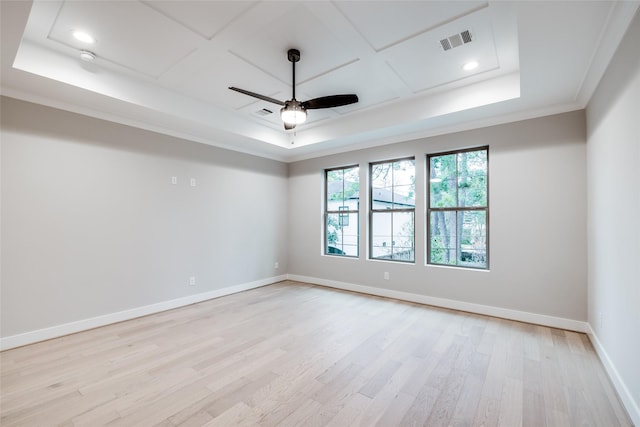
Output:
[[390, 211], [456, 209], [340, 212]]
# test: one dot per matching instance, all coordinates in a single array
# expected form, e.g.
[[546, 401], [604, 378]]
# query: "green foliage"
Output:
[[351, 188], [332, 229], [349, 183], [458, 180]]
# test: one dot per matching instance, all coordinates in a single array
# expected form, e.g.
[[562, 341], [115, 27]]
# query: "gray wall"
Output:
[[537, 220], [613, 153], [92, 225]]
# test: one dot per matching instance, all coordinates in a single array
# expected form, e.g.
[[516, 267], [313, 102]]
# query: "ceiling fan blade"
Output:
[[330, 101], [288, 126], [257, 95]]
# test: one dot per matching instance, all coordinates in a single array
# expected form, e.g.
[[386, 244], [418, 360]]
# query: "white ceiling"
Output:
[[167, 65]]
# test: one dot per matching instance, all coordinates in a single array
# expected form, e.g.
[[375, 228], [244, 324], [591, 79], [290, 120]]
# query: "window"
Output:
[[392, 210], [458, 208], [342, 202]]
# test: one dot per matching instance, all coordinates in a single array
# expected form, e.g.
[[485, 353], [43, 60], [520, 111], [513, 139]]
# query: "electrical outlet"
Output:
[[192, 281], [386, 275], [276, 265]]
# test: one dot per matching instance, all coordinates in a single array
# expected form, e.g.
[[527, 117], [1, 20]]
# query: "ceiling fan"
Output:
[[293, 111]]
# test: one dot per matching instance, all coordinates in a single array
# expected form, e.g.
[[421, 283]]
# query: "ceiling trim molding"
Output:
[[614, 29]]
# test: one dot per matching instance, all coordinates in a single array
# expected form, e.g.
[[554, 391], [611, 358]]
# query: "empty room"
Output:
[[320, 213]]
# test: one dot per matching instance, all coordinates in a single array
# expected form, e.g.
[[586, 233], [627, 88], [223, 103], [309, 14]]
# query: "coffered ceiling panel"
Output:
[[128, 34], [266, 48], [384, 23], [203, 17], [381, 85], [207, 73], [423, 63]]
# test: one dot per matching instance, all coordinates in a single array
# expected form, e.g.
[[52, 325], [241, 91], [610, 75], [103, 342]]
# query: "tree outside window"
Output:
[[458, 208]]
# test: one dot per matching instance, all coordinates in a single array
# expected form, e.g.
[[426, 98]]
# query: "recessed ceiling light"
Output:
[[87, 56], [83, 37], [471, 65]]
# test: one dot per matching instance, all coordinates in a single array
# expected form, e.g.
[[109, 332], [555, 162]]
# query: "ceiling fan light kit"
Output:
[[293, 111]]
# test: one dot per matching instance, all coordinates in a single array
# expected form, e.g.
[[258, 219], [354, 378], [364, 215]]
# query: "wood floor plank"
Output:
[[380, 379], [511, 413], [420, 410], [388, 396], [533, 409], [396, 410], [353, 407], [293, 354], [301, 413], [487, 413], [468, 400], [238, 415], [443, 408]]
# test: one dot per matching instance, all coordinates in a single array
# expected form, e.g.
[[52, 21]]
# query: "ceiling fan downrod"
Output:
[[294, 56]]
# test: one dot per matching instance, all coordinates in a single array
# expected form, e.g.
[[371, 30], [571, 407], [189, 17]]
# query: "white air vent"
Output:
[[456, 40], [264, 112]]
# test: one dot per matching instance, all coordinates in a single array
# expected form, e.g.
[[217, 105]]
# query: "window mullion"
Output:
[[457, 182]]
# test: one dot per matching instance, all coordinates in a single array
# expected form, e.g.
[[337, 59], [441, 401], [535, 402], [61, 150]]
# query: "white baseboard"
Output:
[[505, 313], [107, 319], [632, 407]]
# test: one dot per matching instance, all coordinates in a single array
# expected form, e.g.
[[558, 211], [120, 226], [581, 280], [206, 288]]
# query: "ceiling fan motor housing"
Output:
[[293, 55]]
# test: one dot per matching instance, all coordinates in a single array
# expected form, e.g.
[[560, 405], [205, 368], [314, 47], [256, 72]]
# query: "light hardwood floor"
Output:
[[296, 354]]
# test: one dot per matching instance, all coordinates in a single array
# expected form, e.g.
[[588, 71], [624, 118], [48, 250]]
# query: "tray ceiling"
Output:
[[167, 65]]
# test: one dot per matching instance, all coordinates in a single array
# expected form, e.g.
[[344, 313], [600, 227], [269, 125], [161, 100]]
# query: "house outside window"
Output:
[[458, 208], [392, 210], [342, 204]]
